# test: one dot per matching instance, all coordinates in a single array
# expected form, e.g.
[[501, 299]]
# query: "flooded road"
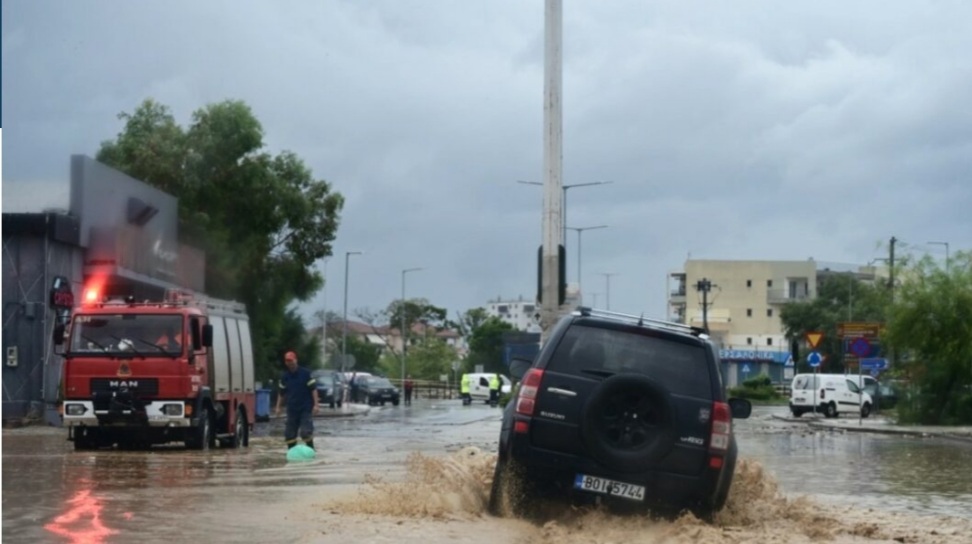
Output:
[[421, 474]]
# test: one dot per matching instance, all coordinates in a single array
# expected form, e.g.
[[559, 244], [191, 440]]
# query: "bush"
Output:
[[757, 388]]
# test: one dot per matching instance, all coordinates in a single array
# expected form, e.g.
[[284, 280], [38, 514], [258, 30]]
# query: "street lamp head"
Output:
[[587, 184], [581, 229]]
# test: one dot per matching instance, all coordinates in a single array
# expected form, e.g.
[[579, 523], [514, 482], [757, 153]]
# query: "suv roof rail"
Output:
[[640, 320]]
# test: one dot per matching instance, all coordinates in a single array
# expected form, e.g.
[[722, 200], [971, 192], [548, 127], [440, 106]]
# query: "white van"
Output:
[[479, 385], [831, 394]]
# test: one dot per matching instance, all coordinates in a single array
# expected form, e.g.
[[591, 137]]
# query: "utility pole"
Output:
[[704, 286], [891, 269]]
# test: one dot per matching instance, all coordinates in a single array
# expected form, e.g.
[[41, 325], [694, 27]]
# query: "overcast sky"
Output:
[[730, 130]]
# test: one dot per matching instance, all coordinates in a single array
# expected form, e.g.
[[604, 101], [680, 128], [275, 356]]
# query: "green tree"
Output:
[[929, 332], [367, 356], [293, 337], [263, 220], [469, 321], [486, 346], [427, 360]]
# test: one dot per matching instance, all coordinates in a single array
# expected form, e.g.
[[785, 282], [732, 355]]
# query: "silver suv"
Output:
[[618, 409]]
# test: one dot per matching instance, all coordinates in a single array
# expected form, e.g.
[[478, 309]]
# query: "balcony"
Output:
[[784, 296]]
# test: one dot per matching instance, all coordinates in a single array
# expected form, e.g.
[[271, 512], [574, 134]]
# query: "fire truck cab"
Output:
[[144, 373]]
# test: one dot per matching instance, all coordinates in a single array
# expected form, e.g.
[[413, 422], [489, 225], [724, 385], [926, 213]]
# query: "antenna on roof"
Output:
[[641, 320]]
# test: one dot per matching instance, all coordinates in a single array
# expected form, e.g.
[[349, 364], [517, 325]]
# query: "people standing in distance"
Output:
[[409, 385]]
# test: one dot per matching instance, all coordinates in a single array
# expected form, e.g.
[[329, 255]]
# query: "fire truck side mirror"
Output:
[[207, 336]]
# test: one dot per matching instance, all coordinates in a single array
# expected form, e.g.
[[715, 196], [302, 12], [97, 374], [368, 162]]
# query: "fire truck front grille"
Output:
[[137, 387]]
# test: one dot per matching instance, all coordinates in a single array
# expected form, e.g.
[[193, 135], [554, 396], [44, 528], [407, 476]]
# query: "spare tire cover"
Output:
[[628, 423]]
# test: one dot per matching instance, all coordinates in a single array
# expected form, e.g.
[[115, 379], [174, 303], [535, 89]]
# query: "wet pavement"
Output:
[[425, 469]]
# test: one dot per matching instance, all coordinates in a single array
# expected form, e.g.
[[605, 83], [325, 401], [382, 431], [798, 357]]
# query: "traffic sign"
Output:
[[813, 339], [860, 347], [789, 361], [814, 359], [745, 369], [876, 363]]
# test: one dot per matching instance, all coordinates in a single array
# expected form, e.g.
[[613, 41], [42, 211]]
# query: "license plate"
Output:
[[609, 487]]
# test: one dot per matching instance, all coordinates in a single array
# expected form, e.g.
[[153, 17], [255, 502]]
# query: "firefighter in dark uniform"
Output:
[[300, 389]]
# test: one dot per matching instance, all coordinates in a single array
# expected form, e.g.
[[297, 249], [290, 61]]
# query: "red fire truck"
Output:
[[144, 373]]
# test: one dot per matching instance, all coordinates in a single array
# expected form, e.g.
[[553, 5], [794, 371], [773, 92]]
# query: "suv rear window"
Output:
[[680, 367]]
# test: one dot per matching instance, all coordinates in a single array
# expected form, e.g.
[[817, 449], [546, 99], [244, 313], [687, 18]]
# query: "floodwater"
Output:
[[422, 474]]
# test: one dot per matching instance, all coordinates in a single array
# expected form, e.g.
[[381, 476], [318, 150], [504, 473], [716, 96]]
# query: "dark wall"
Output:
[[32, 257]]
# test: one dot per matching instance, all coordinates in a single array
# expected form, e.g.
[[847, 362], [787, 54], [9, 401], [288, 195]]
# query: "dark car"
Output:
[[620, 410], [376, 390], [885, 395], [330, 387]]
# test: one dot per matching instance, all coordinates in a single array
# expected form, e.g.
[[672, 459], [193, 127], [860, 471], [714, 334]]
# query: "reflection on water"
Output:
[[929, 476], [81, 524]]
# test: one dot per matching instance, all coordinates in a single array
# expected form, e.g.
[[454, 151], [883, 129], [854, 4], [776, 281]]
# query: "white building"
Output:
[[519, 313]]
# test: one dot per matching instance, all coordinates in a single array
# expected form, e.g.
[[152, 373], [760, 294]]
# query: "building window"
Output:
[[502, 309], [769, 283], [769, 341], [749, 283], [749, 312], [749, 340], [769, 312], [528, 308]]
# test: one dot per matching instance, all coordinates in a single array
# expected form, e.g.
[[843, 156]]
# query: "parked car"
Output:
[[330, 387], [831, 394], [479, 386], [377, 390], [885, 395], [618, 409]]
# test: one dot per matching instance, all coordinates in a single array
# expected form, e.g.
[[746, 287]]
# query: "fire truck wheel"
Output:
[[86, 439], [241, 432], [201, 437]]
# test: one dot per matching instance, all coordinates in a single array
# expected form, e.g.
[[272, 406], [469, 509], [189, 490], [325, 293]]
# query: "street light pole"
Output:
[[607, 278], [564, 201], [580, 231], [946, 253], [344, 333], [324, 317], [404, 330]]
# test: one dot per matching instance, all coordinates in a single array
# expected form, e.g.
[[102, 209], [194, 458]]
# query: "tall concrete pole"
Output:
[[552, 166]]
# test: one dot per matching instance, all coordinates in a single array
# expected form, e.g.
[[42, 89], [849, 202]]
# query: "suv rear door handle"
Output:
[[564, 392]]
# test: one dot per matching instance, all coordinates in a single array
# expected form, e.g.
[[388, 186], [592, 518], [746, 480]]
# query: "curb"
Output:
[[820, 423]]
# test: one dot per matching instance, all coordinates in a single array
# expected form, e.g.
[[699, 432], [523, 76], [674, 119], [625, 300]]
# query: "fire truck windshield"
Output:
[[127, 334]]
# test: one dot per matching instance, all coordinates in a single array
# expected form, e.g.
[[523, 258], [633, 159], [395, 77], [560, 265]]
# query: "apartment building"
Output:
[[742, 302], [519, 313]]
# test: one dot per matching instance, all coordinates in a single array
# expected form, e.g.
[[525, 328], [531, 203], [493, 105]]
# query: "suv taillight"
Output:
[[721, 431], [526, 400]]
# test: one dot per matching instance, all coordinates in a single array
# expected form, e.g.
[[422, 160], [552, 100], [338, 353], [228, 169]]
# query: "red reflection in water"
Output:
[[82, 522]]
